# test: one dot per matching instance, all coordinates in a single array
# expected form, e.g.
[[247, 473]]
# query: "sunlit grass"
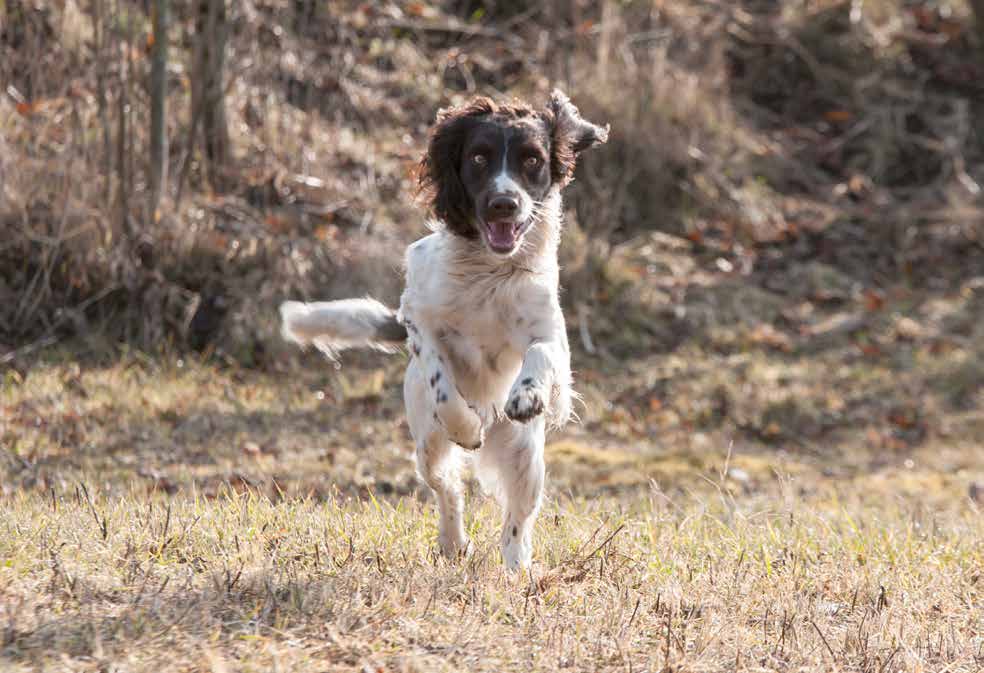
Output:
[[224, 519], [692, 583]]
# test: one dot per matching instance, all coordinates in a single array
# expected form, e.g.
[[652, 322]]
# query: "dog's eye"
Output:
[[532, 162], [479, 159]]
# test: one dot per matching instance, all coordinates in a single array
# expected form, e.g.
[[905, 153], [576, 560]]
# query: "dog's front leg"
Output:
[[546, 366]]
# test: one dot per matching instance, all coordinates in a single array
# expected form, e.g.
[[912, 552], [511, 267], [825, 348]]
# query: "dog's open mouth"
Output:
[[503, 235]]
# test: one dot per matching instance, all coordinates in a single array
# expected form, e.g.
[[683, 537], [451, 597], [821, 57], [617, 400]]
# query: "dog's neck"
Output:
[[537, 253]]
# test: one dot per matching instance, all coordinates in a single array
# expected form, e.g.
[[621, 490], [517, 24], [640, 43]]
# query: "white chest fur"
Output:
[[484, 313]]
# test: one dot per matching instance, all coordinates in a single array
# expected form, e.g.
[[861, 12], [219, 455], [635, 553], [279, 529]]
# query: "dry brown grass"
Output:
[[164, 517], [645, 583]]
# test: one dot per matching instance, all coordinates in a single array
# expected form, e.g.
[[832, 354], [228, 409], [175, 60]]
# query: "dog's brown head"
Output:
[[489, 166]]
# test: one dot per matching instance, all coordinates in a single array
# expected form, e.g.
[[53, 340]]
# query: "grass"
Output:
[[239, 582], [194, 517]]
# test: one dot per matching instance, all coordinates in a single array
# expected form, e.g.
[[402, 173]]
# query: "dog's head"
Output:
[[489, 166]]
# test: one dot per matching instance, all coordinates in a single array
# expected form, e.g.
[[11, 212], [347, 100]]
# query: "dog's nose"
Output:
[[503, 206]]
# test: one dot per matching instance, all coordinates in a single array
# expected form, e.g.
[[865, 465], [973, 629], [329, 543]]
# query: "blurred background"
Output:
[[780, 249]]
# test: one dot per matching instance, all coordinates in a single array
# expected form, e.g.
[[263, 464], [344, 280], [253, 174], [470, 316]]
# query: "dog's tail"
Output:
[[332, 326]]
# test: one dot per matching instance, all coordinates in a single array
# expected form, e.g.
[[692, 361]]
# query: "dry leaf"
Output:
[[870, 349], [326, 232], [838, 116], [277, 223], [767, 335], [874, 300], [585, 27]]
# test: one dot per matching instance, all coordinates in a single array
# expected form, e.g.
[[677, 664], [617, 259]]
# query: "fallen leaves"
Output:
[[766, 335]]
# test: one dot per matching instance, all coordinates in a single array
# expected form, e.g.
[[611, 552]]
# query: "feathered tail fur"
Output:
[[332, 326]]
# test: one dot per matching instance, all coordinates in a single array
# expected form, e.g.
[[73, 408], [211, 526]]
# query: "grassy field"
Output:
[[195, 517]]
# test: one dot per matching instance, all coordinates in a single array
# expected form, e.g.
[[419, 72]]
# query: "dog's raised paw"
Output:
[[525, 401]]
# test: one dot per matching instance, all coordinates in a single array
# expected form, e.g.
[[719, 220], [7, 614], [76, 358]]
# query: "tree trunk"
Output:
[[158, 109], [122, 110], [101, 99], [209, 96], [978, 7]]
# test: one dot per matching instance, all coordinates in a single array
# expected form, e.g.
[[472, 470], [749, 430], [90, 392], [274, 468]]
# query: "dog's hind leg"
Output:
[[438, 462], [513, 457]]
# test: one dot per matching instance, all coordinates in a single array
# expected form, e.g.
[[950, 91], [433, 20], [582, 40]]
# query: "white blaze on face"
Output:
[[503, 183]]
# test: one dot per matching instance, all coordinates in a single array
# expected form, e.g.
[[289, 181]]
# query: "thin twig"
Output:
[[823, 638]]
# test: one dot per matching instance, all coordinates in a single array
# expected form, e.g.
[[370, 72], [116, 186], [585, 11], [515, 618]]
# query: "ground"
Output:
[[172, 510]]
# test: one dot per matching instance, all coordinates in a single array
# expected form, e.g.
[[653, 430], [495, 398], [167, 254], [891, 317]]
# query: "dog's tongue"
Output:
[[502, 234]]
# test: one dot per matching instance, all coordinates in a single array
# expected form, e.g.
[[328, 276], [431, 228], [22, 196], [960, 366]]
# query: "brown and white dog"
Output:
[[489, 366]]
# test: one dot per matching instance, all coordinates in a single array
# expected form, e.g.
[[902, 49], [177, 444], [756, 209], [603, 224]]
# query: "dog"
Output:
[[489, 369]]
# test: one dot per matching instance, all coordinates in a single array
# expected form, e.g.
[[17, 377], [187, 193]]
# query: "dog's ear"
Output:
[[438, 174], [571, 134]]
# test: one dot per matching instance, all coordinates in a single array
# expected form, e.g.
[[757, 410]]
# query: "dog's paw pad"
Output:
[[525, 403]]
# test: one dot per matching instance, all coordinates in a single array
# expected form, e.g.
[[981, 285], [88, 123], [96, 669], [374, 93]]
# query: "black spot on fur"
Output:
[[435, 378], [515, 531], [527, 381]]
